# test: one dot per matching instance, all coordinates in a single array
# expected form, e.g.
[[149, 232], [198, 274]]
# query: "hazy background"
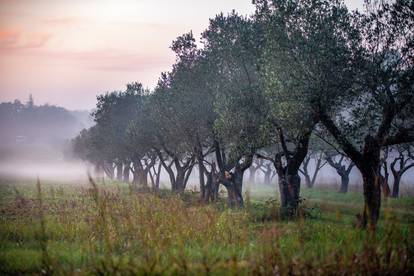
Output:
[[36, 140]]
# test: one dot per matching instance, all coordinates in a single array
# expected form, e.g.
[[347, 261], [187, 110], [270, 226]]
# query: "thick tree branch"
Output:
[[348, 148]]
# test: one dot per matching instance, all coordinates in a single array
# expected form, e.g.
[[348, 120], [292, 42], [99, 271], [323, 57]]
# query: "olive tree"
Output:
[[381, 99], [183, 110], [303, 55], [232, 49], [403, 161]]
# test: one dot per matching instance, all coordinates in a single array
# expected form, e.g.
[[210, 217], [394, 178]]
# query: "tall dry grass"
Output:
[[109, 230]]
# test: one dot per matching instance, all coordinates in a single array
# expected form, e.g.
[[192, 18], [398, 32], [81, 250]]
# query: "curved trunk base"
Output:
[[234, 190], [344, 184], [211, 188], [372, 196], [396, 187], [289, 188]]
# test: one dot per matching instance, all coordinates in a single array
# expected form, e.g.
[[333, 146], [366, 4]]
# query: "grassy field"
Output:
[[108, 229]]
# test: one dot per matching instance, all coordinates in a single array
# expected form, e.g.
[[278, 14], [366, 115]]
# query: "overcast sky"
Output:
[[66, 52]]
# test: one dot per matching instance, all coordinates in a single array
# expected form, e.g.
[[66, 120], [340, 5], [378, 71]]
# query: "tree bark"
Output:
[[208, 189], [344, 183], [179, 181], [385, 178], [289, 189], [305, 172], [288, 174], [119, 171], [200, 160], [289, 180], [372, 196], [385, 187], [157, 176], [370, 168], [232, 181], [140, 175], [234, 186], [212, 184], [396, 186], [126, 172], [289, 186], [238, 186]]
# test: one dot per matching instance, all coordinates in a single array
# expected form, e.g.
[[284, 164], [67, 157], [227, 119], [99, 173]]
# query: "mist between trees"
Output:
[[297, 86]]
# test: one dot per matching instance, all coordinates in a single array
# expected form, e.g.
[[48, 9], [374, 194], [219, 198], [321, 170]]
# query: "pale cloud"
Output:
[[9, 37], [19, 40], [63, 21], [107, 60]]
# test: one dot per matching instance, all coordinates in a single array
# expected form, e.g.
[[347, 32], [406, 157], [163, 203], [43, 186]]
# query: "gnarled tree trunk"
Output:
[[119, 171], [370, 167], [289, 188], [179, 183], [342, 170], [233, 181], [396, 186], [385, 184], [289, 180], [372, 196], [403, 159], [155, 176], [234, 186], [126, 172], [201, 171], [180, 177], [344, 183], [140, 177], [212, 184]]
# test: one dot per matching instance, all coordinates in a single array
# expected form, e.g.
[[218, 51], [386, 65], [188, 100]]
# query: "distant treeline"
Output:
[[297, 78], [24, 125]]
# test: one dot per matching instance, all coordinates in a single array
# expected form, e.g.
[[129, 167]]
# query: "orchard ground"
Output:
[[108, 228]]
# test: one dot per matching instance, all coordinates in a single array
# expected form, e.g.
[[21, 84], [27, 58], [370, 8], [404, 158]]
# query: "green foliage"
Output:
[[307, 55], [183, 101], [232, 47]]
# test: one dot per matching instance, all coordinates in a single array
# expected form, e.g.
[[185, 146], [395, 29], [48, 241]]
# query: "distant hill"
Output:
[[26, 129]]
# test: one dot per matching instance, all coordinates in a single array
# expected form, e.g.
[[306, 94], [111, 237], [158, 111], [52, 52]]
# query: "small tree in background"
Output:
[[403, 161], [343, 166]]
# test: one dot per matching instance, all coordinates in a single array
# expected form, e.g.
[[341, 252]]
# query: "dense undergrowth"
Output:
[[108, 229]]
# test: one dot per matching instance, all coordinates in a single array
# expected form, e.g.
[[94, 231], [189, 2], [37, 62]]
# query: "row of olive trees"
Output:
[[260, 87], [398, 159]]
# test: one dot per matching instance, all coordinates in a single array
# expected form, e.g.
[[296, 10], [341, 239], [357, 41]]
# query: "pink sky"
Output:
[[67, 52]]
